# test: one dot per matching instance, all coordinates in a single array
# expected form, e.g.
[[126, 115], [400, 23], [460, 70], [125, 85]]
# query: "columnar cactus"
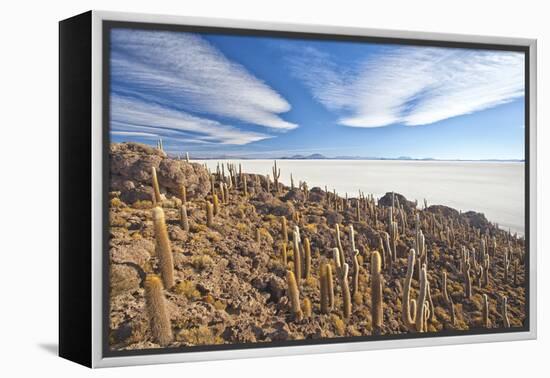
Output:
[[209, 213], [183, 194], [226, 188], [276, 175], [506, 264], [394, 236], [216, 204], [330, 286], [504, 313], [307, 258], [297, 255], [444, 288], [163, 248], [421, 303], [222, 192], [155, 183], [467, 282], [485, 311], [342, 257], [485, 270], [376, 292], [307, 308], [387, 260], [245, 185], [516, 263], [323, 289], [184, 221], [356, 270], [294, 295], [159, 323], [346, 295], [408, 305], [284, 231], [291, 182]]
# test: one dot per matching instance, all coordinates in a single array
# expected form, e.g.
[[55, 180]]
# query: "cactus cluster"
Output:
[[453, 273]]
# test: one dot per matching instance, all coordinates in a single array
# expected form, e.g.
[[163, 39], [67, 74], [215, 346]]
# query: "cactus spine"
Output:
[[376, 292], [159, 323], [155, 183], [184, 221], [164, 250], [294, 295]]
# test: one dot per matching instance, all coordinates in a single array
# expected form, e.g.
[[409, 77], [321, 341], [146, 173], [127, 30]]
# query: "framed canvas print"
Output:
[[236, 189]]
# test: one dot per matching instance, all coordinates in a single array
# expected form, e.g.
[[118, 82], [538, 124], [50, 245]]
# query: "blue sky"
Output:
[[263, 97]]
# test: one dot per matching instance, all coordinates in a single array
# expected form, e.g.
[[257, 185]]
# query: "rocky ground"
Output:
[[231, 289]]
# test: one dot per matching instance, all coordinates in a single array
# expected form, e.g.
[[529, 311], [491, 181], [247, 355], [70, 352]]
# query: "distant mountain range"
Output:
[[344, 157]]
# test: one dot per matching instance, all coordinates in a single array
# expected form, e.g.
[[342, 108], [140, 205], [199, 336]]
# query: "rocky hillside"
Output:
[[230, 278]]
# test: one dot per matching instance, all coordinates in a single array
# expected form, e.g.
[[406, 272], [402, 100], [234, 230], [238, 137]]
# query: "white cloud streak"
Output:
[[411, 85], [129, 115], [188, 71]]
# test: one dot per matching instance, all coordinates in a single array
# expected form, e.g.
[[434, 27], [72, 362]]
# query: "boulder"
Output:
[[131, 165]]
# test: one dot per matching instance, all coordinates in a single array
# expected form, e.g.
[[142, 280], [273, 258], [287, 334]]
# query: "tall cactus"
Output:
[[346, 295], [209, 213], [444, 288], [297, 255], [323, 290], [307, 258], [408, 305], [155, 183], [159, 323], [356, 269], [276, 175], [330, 286], [421, 303], [485, 311], [504, 313], [163, 247], [376, 292], [184, 221], [284, 231], [183, 194], [294, 295], [307, 308], [283, 254], [216, 204], [467, 281]]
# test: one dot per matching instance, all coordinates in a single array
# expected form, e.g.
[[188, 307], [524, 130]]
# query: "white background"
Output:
[[29, 189]]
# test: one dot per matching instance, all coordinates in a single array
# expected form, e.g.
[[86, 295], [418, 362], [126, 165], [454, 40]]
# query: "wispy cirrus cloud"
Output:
[[411, 85], [188, 74], [131, 116]]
